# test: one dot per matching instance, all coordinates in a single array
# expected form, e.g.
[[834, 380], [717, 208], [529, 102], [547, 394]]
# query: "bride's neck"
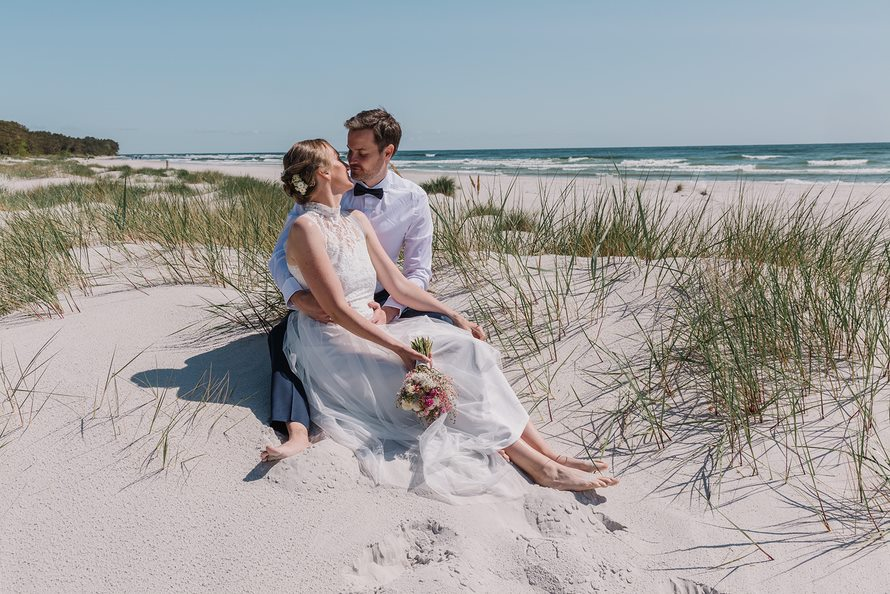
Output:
[[326, 197]]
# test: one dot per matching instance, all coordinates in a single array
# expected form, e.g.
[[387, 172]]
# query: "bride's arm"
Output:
[[400, 288], [305, 247]]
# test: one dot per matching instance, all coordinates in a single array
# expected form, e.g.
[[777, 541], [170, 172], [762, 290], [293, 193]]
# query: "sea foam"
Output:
[[718, 168], [841, 162], [652, 162]]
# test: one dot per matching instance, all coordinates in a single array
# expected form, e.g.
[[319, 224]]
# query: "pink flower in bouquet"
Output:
[[427, 392]]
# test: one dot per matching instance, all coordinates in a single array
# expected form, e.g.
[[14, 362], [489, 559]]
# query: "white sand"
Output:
[[87, 505]]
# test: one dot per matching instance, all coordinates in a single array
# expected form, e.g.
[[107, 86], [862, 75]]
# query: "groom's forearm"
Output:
[[305, 302], [277, 265], [284, 280]]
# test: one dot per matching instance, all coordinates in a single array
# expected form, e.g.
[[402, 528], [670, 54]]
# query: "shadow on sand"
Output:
[[236, 373]]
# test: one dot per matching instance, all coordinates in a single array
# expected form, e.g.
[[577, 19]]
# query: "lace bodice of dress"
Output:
[[348, 252]]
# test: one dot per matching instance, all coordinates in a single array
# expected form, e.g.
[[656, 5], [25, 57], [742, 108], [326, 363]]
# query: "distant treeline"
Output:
[[17, 140]]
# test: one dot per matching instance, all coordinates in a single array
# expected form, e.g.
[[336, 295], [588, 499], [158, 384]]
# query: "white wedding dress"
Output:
[[352, 384]]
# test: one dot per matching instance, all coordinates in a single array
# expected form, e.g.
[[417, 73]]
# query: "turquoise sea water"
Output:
[[864, 162]]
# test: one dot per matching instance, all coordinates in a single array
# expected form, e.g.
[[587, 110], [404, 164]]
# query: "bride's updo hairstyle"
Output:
[[301, 163]]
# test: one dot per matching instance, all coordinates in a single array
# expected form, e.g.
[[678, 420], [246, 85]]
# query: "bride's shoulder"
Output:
[[357, 215], [360, 218], [305, 224], [306, 236], [305, 218]]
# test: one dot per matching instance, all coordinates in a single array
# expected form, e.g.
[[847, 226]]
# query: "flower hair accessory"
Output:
[[299, 185]]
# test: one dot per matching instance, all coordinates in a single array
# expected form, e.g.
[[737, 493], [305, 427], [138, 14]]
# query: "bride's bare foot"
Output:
[[562, 478], [585, 465], [292, 446]]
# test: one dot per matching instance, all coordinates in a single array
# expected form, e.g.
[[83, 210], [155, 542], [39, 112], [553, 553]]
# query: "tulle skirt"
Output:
[[352, 383]]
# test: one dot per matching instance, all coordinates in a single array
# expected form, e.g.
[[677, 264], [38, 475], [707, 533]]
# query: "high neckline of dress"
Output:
[[328, 212]]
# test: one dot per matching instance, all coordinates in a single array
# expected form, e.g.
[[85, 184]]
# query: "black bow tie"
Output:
[[360, 190]]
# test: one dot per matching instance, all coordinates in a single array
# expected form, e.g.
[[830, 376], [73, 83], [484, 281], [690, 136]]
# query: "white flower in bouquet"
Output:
[[427, 392]]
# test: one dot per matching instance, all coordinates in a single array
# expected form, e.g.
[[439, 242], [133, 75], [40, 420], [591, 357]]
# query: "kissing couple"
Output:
[[340, 356]]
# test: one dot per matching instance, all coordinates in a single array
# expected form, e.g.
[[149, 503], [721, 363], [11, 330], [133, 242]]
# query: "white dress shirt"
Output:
[[402, 220]]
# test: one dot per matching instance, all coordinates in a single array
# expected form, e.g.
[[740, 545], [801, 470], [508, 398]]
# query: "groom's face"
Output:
[[367, 163]]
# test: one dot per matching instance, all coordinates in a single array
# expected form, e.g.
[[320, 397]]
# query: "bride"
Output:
[[352, 369]]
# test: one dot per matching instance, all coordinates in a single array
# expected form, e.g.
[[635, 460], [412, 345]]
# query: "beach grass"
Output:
[[439, 185], [23, 390], [45, 167], [763, 326], [38, 261], [195, 233], [127, 170]]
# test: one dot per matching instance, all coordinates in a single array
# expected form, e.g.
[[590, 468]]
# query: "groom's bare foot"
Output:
[[291, 447], [562, 478], [585, 465]]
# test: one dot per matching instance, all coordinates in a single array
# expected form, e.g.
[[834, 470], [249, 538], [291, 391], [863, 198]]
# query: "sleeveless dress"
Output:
[[351, 384]]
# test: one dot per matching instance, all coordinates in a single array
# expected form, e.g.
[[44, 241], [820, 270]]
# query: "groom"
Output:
[[399, 211]]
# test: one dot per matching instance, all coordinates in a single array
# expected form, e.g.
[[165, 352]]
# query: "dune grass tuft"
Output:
[[439, 185]]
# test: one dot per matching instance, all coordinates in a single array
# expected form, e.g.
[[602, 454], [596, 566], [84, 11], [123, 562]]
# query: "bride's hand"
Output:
[[472, 327], [478, 332], [410, 357]]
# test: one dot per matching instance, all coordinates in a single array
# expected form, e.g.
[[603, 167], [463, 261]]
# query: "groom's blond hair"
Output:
[[385, 127]]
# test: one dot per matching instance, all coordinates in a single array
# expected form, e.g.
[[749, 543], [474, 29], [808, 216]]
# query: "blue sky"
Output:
[[256, 76]]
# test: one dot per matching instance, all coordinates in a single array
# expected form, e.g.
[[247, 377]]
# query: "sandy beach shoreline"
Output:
[[131, 455]]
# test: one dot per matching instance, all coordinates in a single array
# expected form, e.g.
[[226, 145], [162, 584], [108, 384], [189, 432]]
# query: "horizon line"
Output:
[[539, 148]]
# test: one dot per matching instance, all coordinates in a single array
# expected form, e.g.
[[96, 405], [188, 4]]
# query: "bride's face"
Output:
[[340, 181]]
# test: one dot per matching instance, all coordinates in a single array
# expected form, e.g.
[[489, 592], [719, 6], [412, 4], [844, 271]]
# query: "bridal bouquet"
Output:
[[426, 391]]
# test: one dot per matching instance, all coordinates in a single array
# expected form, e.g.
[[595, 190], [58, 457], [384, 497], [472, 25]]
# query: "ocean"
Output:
[[791, 163]]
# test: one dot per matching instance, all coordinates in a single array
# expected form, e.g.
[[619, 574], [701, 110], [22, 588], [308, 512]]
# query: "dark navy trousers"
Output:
[[289, 403]]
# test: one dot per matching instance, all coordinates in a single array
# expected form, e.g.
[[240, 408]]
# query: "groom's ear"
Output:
[[389, 151]]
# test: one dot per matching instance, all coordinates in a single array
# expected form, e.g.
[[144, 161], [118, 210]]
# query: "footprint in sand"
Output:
[[553, 516], [413, 544], [551, 565]]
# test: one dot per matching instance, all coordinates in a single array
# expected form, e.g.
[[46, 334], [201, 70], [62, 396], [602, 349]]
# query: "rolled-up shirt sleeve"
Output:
[[284, 280], [417, 250]]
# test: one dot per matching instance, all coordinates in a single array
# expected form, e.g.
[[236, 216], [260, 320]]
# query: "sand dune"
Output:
[[129, 457]]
